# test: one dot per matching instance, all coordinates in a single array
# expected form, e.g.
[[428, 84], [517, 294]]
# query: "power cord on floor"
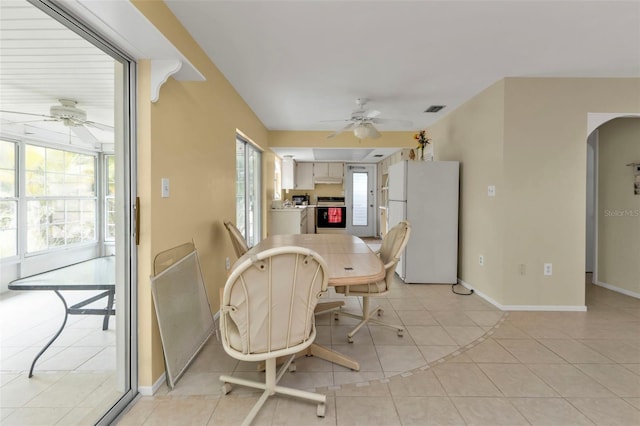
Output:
[[461, 294]]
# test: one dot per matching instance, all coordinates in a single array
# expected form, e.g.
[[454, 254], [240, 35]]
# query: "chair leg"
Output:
[[270, 387], [366, 317], [325, 307]]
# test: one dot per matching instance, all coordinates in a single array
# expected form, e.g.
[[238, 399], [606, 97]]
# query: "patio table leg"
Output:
[[66, 315], [105, 322]]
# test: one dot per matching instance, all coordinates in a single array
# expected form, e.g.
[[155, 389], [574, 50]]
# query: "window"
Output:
[[8, 200], [360, 199], [60, 193], [110, 198], [248, 190]]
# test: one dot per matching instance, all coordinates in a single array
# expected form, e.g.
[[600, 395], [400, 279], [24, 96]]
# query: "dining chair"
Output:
[[237, 239], [390, 251], [267, 311]]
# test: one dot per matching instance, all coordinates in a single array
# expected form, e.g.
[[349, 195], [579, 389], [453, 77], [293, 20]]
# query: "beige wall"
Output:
[[187, 136], [618, 207], [473, 134], [539, 173]]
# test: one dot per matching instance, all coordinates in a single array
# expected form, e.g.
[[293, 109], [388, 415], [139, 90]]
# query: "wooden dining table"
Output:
[[349, 261]]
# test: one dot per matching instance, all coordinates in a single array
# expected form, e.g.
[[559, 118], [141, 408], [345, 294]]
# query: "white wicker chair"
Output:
[[390, 251], [267, 311], [239, 243]]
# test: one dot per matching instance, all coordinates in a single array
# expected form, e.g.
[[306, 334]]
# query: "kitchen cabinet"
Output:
[[304, 176], [288, 172], [328, 172], [311, 219], [288, 221]]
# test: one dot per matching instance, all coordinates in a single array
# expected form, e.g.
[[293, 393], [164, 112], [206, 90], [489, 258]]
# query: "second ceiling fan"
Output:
[[71, 116], [362, 122]]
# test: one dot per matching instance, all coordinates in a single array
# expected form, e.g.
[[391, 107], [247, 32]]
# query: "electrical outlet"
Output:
[[227, 263], [481, 260], [522, 269], [548, 269]]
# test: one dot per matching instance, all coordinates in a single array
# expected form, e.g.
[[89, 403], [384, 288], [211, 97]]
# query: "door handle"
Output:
[[136, 231]]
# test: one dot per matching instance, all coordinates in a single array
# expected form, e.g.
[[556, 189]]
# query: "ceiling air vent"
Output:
[[378, 155], [434, 108]]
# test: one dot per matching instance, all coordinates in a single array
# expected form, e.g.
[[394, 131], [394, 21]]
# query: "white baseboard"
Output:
[[569, 308], [151, 390], [618, 289]]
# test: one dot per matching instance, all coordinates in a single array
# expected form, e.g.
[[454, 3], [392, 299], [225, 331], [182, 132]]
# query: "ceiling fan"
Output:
[[362, 122], [71, 116]]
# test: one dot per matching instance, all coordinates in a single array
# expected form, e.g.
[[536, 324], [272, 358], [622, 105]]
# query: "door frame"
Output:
[[372, 199], [125, 150]]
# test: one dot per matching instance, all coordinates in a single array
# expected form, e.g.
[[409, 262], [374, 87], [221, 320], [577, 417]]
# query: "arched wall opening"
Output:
[[620, 206]]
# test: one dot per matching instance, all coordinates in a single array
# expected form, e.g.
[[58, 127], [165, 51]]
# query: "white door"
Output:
[[360, 200]]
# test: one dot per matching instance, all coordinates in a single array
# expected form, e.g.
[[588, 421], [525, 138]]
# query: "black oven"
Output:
[[331, 217]]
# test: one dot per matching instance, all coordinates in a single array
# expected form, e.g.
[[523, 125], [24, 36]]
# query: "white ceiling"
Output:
[[298, 63], [41, 61]]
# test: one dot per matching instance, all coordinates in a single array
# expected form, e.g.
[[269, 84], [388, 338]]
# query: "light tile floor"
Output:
[[74, 381], [461, 362]]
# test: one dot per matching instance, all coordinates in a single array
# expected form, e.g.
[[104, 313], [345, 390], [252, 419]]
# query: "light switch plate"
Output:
[[491, 191], [165, 187]]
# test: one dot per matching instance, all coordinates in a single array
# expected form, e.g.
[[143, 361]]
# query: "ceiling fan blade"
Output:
[[85, 135], [403, 123], [344, 129], [372, 114], [32, 121], [26, 113], [100, 126]]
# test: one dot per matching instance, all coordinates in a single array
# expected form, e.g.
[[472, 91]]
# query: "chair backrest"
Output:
[[239, 243], [393, 244], [269, 300]]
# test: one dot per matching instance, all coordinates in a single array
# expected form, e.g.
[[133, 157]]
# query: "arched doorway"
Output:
[[624, 204]]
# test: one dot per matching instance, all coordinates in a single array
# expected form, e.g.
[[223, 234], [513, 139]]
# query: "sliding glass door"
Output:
[[67, 191], [248, 190]]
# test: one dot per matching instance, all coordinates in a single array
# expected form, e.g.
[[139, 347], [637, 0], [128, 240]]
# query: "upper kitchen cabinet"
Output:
[[304, 176], [288, 172], [328, 172]]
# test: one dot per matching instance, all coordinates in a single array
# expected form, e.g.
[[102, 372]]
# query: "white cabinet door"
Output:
[[321, 169], [304, 176], [311, 220], [303, 220], [288, 173], [286, 221], [336, 170]]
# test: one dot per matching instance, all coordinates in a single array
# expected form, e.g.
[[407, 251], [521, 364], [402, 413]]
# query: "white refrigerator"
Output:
[[426, 194]]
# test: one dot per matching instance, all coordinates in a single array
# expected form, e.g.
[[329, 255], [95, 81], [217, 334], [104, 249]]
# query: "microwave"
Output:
[[300, 200]]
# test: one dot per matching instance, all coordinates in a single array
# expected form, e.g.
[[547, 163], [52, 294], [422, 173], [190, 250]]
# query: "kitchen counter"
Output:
[[294, 207], [289, 220]]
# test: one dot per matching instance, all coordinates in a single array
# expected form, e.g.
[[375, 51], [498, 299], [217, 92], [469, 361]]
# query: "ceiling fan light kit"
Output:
[[366, 130]]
